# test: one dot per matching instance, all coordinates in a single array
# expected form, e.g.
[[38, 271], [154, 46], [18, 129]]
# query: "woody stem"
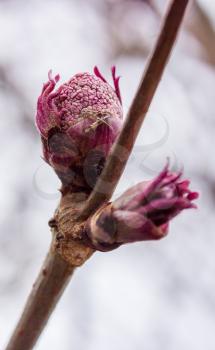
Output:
[[46, 291], [56, 273], [121, 151]]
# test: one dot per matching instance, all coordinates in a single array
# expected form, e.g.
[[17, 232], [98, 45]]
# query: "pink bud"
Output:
[[82, 116], [141, 213]]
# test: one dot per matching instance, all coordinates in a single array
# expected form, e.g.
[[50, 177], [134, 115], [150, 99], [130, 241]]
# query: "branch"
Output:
[[118, 158], [68, 249], [202, 28], [66, 253], [46, 291]]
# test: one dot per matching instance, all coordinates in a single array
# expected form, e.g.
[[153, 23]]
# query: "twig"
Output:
[[121, 151], [55, 273], [56, 270], [53, 278], [200, 25]]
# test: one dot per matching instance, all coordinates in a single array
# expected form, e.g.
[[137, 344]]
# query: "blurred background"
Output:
[[155, 295]]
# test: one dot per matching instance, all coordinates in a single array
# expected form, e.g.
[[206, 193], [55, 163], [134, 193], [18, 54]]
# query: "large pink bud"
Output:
[[79, 123]]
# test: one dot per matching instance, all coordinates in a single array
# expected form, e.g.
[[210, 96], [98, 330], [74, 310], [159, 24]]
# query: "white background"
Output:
[[155, 295]]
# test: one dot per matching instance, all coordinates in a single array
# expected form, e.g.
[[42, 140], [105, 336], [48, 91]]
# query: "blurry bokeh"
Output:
[[152, 296]]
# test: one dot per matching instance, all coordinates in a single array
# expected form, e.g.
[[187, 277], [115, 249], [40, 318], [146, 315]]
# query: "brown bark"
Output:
[[121, 151], [69, 248], [46, 291], [67, 252]]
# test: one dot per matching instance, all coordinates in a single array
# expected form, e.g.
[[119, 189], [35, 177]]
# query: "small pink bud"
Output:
[[79, 123], [141, 213]]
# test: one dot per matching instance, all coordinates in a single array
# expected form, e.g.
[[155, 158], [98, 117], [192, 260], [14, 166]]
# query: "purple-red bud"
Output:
[[141, 213], [79, 123]]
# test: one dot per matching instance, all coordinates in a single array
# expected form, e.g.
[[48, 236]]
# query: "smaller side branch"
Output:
[[200, 25], [50, 284], [117, 159]]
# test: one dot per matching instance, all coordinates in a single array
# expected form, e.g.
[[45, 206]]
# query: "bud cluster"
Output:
[[79, 123]]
